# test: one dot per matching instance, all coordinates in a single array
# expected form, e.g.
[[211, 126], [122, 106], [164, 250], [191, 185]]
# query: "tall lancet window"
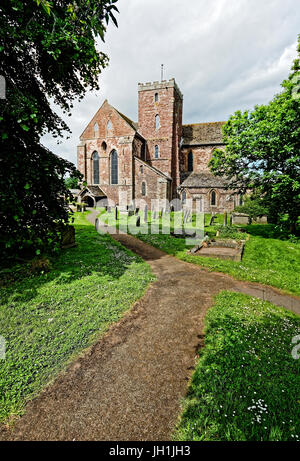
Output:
[[213, 198], [190, 161], [95, 158], [114, 167], [156, 151], [157, 122], [96, 130]]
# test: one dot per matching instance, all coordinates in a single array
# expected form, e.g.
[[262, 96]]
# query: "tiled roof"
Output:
[[199, 180], [96, 191], [202, 133]]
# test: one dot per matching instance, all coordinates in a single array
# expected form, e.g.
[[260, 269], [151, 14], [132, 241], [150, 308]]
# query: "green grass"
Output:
[[246, 383], [48, 319]]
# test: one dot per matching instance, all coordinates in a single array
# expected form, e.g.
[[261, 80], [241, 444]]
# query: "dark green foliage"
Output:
[[71, 183], [227, 232], [47, 50], [246, 383], [262, 151]]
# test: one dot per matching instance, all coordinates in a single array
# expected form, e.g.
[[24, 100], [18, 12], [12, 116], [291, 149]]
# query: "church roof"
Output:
[[156, 170], [199, 180], [96, 191], [203, 134]]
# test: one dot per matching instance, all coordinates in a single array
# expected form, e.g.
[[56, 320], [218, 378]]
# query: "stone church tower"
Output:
[[160, 122], [156, 159]]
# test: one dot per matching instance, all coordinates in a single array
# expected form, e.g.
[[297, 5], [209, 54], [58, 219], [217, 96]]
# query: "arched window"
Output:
[[183, 197], [157, 122], [96, 130], [95, 158], [141, 169], [104, 146], [114, 167], [156, 97], [143, 188], [213, 198], [156, 151], [109, 126], [190, 161]]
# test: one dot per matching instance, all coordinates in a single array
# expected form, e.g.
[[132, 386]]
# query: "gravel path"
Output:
[[129, 385]]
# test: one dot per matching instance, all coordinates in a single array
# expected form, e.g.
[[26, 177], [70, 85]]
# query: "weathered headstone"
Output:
[[146, 214], [68, 237], [240, 218], [97, 224], [212, 220], [225, 218], [261, 220]]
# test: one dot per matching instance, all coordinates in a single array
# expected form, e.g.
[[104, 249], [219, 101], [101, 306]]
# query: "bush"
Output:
[[254, 207]]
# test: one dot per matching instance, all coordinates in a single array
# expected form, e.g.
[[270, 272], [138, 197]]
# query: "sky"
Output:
[[225, 55]]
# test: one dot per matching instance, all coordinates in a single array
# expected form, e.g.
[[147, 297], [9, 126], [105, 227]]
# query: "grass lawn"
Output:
[[48, 319], [246, 383]]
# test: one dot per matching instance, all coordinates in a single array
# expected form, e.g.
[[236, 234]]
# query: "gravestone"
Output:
[[225, 218], [261, 220], [68, 237], [240, 218], [97, 224], [212, 220]]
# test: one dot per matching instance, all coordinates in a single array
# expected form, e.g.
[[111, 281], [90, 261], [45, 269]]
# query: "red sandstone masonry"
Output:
[[134, 141]]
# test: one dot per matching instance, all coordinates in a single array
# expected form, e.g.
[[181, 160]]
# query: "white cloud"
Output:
[[225, 55]]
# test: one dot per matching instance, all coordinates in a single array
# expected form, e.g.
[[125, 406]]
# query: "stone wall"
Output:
[[157, 186], [169, 108], [224, 201]]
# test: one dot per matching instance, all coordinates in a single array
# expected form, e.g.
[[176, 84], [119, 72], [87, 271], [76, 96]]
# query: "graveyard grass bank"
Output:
[[48, 319]]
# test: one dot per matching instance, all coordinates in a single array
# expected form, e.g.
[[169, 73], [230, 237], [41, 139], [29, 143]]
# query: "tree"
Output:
[[71, 183], [262, 150], [48, 53], [254, 206]]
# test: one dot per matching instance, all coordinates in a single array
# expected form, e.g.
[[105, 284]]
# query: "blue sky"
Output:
[[224, 54]]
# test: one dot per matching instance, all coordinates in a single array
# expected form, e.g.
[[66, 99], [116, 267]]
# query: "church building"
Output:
[[155, 158]]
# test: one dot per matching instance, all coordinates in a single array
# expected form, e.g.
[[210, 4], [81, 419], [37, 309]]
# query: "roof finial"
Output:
[[162, 72]]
